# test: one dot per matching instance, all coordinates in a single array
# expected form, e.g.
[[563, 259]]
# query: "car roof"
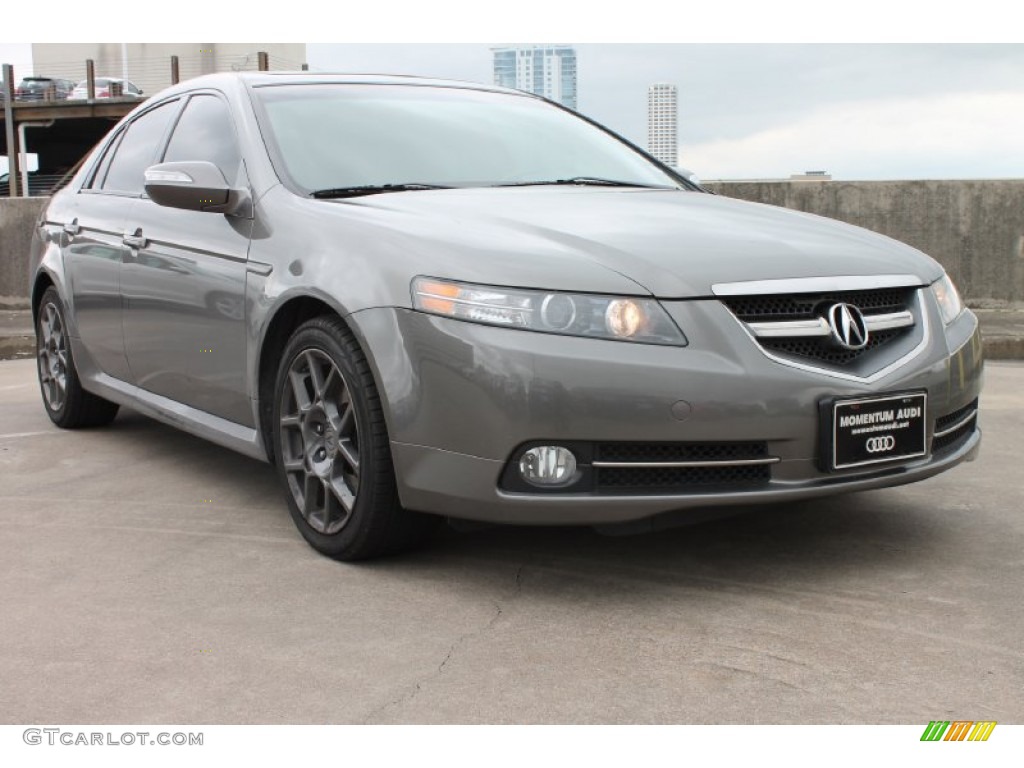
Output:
[[260, 79]]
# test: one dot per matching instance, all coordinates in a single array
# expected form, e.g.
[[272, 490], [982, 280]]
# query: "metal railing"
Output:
[[39, 184], [149, 74], [102, 80]]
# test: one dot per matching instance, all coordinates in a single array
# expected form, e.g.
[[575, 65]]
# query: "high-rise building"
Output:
[[662, 123], [547, 70]]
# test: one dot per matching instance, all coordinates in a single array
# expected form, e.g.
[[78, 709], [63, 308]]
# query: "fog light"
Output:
[[547, 465]]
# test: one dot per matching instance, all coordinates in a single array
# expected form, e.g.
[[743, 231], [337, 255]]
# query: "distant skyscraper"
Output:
[[662, 123], [547, 70]]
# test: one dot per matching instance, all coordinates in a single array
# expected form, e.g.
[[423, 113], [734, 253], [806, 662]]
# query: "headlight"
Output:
[[949, 300], [623, 318]]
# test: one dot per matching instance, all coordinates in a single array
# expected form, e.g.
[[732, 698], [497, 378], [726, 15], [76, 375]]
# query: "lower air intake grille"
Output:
[[680, 479], [681, 451], [954, 438], [722, 467]]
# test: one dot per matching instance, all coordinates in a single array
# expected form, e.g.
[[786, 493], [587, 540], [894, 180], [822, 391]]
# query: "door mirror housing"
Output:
[[691, 177], [195, 186]]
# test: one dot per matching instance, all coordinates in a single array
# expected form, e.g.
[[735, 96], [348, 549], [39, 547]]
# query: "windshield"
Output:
[[341, 136]]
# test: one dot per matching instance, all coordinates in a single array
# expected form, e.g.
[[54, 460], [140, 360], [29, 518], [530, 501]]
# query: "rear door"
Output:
[[93, 237], [183, 280]]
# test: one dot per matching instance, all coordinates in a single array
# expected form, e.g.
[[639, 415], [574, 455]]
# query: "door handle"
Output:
[[72, 227], [136, 241]]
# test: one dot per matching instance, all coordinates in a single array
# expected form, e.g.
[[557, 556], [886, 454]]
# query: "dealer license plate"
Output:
[[872, 430]]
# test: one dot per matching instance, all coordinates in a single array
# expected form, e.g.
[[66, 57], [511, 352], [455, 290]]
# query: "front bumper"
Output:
[[460, 398]]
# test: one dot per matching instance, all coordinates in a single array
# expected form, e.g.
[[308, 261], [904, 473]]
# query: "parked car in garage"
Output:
[[36, 88], [421, 298], [103, 88]]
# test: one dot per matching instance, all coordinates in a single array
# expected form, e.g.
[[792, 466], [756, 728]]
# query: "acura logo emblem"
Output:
[[848, 327], [880, 444]]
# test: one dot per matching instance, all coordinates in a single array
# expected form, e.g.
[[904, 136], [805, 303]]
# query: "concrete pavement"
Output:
[[149, 576]]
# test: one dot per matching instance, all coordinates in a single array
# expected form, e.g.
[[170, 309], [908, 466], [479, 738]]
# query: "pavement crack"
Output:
[[461, 640]]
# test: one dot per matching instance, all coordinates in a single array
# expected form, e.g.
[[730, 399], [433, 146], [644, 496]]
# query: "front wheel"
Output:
[[332, 451]]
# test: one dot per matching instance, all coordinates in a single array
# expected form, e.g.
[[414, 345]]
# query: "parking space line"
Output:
[[16, 435]]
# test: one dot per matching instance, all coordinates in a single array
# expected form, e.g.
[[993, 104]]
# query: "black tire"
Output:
[[331, 448], [66, 403]]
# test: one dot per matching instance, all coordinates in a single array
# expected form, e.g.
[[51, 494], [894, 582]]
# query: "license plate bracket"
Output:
[[879, 429]]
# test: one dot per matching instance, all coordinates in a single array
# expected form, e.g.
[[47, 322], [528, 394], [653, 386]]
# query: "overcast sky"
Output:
[[858, 111], [866, 111]]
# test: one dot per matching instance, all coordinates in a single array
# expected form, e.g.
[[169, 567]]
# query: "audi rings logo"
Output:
[[880, 444], [848, 326]]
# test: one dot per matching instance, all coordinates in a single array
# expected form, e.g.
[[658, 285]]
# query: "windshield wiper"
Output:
[[371, 189], [583, 181]]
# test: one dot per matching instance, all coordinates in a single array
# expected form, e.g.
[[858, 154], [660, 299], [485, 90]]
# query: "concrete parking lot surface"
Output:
[[149, 576]]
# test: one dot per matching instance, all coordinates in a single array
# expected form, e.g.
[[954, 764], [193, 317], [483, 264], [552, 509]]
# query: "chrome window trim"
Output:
[[816, 284]]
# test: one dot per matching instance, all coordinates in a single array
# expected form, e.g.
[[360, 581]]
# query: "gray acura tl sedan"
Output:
[[420, 298]]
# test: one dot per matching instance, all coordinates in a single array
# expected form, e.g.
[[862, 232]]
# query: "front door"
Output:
[[183, 280]]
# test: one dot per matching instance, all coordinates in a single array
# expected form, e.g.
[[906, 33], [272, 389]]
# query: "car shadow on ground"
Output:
[[804, 545]]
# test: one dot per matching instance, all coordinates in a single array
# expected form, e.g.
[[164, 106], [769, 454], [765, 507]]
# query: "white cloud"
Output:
[[970, 135]]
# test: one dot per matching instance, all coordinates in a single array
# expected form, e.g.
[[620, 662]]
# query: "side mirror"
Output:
[[194, 186], [691, 177]]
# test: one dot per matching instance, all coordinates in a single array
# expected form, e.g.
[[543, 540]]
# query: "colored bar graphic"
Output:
[[958, 730], [982, 730]]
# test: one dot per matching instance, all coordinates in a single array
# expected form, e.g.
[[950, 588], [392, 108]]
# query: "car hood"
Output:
[[670, 243]]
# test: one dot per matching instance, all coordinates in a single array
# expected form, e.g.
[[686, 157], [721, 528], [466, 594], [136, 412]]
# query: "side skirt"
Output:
[[199, 423]]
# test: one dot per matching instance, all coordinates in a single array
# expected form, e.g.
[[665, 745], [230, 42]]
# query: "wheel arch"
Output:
[[42, 281], [289, 315]]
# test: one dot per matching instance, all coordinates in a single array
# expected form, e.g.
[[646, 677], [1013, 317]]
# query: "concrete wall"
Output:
[[975, 229], [17, 219]]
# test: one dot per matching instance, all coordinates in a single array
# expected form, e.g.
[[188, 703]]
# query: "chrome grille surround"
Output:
[[788, 325]]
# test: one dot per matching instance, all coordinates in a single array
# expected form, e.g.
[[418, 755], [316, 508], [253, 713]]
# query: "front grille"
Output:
[[807, 306], [681, 479], [953, 439], [788, 308], [823, 350]]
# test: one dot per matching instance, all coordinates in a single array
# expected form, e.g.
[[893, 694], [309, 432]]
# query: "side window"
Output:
[[101, 168], [137, 150], [205, 132]]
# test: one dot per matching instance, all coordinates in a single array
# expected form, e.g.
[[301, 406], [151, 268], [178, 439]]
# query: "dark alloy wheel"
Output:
[[53, 357], [331, 448], [67, 404], [319, 441]]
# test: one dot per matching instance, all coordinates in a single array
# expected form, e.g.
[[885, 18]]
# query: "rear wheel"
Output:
[[332, 451], [67, 404]]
